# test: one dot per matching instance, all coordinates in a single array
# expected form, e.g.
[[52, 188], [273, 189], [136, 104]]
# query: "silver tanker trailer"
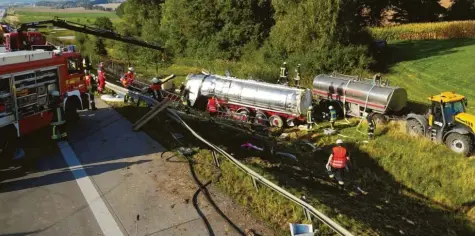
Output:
[[263, 101], [359, 97]]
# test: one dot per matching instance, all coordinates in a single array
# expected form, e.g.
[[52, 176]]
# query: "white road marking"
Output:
[[98, 207]]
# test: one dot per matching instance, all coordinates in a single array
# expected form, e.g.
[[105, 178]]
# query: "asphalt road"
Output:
[[99, 181]]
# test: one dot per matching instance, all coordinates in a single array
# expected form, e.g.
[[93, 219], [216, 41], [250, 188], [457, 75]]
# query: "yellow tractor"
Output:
[[446, 122]]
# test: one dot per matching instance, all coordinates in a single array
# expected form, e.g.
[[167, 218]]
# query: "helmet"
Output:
[[339, 141], [285, 63], [310, 107], [54, 93], [330, 107], [101, 64], [155, 80], [131, 69]]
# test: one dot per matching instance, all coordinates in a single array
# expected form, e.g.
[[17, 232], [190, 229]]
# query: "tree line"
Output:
[[321, 35]]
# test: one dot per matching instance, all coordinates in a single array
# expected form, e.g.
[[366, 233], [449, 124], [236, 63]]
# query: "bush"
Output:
[[422, 31]]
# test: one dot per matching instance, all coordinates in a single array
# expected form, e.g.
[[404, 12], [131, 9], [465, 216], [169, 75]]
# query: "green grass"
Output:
[[406, 177], [83, 18], [429, 67]]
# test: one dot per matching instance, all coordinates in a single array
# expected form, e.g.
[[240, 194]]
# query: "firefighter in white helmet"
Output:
[[57, 122], [128, 78], [156, 88], [337, 163]]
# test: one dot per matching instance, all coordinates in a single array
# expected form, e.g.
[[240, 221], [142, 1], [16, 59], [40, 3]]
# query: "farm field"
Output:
[[78, 15], [428, 67]]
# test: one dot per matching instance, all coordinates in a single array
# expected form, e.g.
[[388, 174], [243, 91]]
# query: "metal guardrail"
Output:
[[256, 178]]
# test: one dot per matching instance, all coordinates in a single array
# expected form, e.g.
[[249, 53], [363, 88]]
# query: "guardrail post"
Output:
[[254, 182], [307, 214], [215, 157]]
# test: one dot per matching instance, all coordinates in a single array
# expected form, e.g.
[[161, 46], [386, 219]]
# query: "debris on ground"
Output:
[[251, 146], [177, 136], [315, 148], [329, 131], [401, 232], [185, 151], [408, 221], [249, 232], [285, 154], [283, 135], [361, 190], [303, 127]]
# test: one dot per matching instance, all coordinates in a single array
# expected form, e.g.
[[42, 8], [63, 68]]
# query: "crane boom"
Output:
[[87, 30]]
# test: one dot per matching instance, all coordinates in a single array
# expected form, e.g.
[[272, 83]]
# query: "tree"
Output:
[[407, 11], [99, 46], [461, 10], [125, 51]]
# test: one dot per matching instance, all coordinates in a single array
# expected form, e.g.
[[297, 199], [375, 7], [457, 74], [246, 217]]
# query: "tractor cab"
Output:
[[449, 123]]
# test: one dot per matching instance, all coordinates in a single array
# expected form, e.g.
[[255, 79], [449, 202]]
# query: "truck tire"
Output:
[[276, 121], [8, 141], [414, 127], [460, 143]]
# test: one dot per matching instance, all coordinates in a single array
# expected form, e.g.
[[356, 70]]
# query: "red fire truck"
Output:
[[27, 77]]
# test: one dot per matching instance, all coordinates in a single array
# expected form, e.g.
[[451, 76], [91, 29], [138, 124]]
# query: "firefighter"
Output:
[[337, 163], [376, 79], [371, 126], [155, 89], [212, 106], [101, 78], [309, 118], [57, 121], [86, 64], [284, 73], [90, 89], [128, 78], [297, 76], [332, 116]]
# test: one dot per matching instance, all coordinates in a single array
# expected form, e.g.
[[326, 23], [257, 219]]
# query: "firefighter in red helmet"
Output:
[[212, 106], [337, 163], [101, 78]]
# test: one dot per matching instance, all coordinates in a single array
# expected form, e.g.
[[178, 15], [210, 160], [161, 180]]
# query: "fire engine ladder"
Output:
[[168, 98]]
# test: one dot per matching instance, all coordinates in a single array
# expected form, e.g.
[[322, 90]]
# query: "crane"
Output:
[[22, 42]]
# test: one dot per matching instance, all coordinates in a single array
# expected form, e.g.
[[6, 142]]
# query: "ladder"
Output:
[[168, 98]]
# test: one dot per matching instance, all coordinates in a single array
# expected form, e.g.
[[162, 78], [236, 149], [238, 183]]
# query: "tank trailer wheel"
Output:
[[260, 119], [459, 143], [414, 128], [276, 121], [243, 115]]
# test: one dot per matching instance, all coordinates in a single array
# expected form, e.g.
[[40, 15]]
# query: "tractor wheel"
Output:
[[414, 128], [7, 143], [459, 143], [276, 121]]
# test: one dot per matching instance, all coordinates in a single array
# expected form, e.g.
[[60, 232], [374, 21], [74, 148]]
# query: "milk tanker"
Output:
[[266, 103], [359, 97]]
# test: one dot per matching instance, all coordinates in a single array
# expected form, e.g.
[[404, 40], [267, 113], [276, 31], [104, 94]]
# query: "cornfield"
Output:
[[422, 31]]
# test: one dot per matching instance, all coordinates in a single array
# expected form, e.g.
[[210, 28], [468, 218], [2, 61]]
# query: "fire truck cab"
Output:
[[26, 80]]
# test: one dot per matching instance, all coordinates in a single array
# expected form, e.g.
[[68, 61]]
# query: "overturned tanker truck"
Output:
[[253, 101], [359, 98]]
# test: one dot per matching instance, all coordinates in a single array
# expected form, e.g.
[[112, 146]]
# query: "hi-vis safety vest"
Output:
[[339, 157], [283, 72], [332, 115]]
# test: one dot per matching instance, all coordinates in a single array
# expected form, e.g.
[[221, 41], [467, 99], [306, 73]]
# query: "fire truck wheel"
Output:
[[276, 121], [7, 142], [71, 114]]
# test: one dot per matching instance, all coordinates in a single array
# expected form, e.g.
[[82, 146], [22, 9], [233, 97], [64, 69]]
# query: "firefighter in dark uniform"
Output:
[[371, 126], [284, 74], [57, 122]]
